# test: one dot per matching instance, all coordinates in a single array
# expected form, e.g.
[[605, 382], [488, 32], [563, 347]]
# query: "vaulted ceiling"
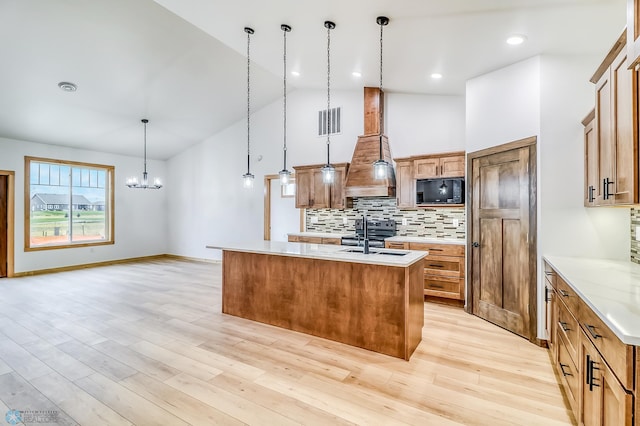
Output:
[[182, 63]]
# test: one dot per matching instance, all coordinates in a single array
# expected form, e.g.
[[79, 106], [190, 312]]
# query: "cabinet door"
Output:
[[338, 200], [604, 135], [633, 31], [426, 168], [604, 400], [320, 191], [548, 318], [591, 165], [405, 184], [452, 166], [304, 188], [624, 158]]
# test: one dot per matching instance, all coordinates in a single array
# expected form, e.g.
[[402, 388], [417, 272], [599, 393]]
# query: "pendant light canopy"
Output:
[[380, 166], [248, 178], [285, 175], [133, 182], [328, 171]]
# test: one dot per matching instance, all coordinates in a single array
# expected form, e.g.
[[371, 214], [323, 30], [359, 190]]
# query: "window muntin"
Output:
[[67, 204]]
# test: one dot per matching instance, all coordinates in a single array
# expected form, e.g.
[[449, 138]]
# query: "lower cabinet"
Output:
[[443, 268], [596, 370]]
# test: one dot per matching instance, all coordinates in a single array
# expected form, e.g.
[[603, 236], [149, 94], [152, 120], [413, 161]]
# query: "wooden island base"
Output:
[[372, 306]]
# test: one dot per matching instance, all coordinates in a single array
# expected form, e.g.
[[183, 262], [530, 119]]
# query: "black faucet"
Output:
[[365, 228]]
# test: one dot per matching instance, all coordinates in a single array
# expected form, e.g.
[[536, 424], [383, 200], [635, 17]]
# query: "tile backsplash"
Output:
[[635, 245], [436, 222]]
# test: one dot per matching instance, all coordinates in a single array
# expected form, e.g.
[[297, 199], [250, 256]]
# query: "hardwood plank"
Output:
[[126, 403], [20, 360], [133, 359], [100, 362], [81, 406], [61, 362], [179, 404]]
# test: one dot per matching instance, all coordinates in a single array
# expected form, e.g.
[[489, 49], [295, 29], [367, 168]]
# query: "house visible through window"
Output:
[[69, 203]]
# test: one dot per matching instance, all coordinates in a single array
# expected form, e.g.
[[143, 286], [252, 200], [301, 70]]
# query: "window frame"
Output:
[[109, 204]]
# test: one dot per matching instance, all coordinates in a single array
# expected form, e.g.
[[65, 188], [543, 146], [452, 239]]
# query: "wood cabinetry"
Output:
[[314, 239], [444, 165], [405, 184], [311, 192], [596, 369], [633, 32], [615, 162], [443, 268], [591, 176]]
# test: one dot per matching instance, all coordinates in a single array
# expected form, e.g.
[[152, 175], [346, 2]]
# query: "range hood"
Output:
[[360, 181]]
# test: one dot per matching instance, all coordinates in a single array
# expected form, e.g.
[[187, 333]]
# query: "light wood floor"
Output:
[[145, 343]]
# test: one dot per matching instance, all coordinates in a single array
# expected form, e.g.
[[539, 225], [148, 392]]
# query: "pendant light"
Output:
[[248, 177], [380, 166], [132, 182], [285, 175], [328, 171]]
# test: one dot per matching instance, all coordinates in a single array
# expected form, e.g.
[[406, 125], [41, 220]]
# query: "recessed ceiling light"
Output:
[[295, 73], [356, 74], [436, 76], [67, 87], [516, 39]]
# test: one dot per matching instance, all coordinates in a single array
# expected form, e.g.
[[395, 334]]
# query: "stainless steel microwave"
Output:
[[440, 191]]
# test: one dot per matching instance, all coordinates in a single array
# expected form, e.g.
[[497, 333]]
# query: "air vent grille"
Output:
[[335, 121]]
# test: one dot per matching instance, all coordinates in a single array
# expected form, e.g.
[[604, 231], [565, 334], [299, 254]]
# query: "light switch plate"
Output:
[[637, 233], [404, 221], [456, 222], [314, 219]]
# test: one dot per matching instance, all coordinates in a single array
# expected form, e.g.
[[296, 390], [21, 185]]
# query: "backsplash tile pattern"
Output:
[[424, 222], [635, 245]]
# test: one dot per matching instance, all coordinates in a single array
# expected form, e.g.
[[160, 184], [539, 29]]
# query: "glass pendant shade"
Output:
[[443, 188], [285, 177], [380, 169], [248, 179], [328, 174]]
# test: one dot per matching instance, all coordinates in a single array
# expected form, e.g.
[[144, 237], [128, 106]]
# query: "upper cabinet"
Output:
[[443, 165], [612, 168], [633, 32], [591, 156], [312, 192], [405, 183]]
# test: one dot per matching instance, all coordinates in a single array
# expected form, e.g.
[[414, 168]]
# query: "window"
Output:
[[67, 204]]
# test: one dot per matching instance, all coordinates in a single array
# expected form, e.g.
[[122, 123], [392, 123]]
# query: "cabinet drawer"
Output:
[[549, 275], [396, 245], [443, 287], [439, 249], [569, 375], [567, 295], [442, 266], [616, 354], [568, 327]]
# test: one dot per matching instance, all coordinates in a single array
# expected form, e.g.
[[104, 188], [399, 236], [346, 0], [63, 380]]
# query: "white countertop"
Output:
[[320, 234], [427, 240], [610, 287], [325, 252]]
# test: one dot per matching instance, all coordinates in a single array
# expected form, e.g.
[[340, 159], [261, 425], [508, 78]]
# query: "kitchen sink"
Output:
[[388, 253]]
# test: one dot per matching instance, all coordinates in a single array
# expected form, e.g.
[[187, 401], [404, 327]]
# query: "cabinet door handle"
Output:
[[436, 286], [475, 244], [563, 293], [588, 372], [547, 291], [563, 325], [606, 182], [564, 373], [591, 365], [592, 331], [591, 191], [436, 266], [433, 249], [548, 273]]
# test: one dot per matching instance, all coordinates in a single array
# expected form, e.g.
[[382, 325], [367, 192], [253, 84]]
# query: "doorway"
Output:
[[502, 243], [280, 213], [7, 208]]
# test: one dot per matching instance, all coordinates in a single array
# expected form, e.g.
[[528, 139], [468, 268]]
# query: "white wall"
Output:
[[209, 174], [547, 97], [140, 219]]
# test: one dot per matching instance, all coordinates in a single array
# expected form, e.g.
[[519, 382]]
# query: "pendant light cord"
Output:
[[380, 106], [284, 73], [248, 100], [145, 146], [328, 87]]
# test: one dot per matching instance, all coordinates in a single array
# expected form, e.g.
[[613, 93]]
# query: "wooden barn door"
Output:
[[502, 236]]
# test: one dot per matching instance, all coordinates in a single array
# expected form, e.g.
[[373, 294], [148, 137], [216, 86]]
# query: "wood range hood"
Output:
[[360, 181]]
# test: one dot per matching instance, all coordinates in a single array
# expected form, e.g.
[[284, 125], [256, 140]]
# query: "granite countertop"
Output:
[[325, 252], [428, 240], [320, 234], [611, 288]]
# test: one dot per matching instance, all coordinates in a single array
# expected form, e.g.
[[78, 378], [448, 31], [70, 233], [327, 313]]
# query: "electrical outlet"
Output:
[[314, 219], [345, 221], [456, 222], [404, 221]]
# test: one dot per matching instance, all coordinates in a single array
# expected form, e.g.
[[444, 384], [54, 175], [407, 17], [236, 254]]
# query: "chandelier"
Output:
[[133, 182]]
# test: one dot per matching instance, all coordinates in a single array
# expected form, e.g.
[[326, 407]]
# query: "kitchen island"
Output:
[[373, 301]]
